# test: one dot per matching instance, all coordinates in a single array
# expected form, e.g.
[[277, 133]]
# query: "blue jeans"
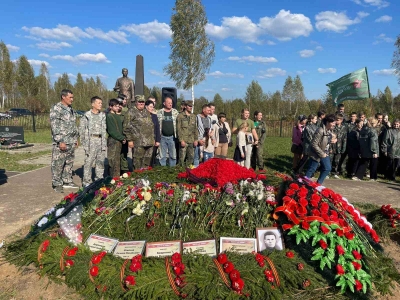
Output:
[[207, 155], [196, 160], [167, 143], [325, 168]]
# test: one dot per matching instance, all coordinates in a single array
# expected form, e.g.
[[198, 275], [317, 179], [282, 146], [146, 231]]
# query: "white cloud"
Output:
[[57, 75], [66, 32], [377, 3], [327, 70], [386, 72], [384, 18], [272, 72], [248, 48], [44, 55], [306, 53], [337, 22], [111, 36], [301, 72], [382, 38], [362, 14], [208, 90], [227, 49], [219, 74], [53, 45], [12, 48], [155, 73], [271, 43], [94, 76], [319, 48], [38, 63], [284, 26], [251, 58], [151, 32], [226, 89], [84, 57]]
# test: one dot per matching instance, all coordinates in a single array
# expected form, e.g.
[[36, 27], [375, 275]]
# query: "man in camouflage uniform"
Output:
[[257, 158], [139, 132], [339, 148], [92, 131], [65, 139], [124, 165], [186, 130]]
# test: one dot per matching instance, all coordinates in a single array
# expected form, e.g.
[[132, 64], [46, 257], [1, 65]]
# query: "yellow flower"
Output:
[[146, 196], [157, 204]]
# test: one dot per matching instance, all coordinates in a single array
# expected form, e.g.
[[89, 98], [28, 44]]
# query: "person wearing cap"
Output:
[[157, 135], [297, 148], [167, 119], [183, 105], [122, 98], [139, 132], [186, 130], [124, 150]]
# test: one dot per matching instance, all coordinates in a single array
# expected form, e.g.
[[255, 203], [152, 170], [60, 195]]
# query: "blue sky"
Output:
[[321, 40]]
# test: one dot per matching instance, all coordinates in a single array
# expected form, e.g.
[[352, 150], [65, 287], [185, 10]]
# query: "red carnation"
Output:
[[339, 232], [314, 203], [356, 255], [94, 271], [130, 280], [286, 199], [135, 266], [259, 257], [176, 257], [102, 254], [222, 258], [356, 265], [228, 267], [358, 285], [261, 263], [303, 202], [325, 217], [374, 236], [289, 254], [316, 213], [96, 259], [340, 250], [289, 192], [294, 186], [305, 225], [315, 197], [301, 210], [349, 235], [326, 192], [234, 275], [69, 263], [45, 244], [238, 285], [72, 252], [323, 244], [324, 207], [179, 269], [339, 270], [324, 229]]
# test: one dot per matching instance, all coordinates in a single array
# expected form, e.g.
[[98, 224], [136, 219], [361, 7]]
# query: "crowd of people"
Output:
[[157, 137], [354, 146]]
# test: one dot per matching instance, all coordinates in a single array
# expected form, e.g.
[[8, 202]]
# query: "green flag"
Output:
[[353, 86]]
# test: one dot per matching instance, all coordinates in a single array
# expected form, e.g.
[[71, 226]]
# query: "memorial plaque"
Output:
[[12, 134], [129, 249], [101, 243]]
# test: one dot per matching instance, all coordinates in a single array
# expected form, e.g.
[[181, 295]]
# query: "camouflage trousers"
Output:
[[61, 165], [114, 157], [187, 153], [94, 155], [142, 157], [335, 159], [257, 159]]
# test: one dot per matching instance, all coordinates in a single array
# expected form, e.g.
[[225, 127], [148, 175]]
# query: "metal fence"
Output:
[[275, 128]]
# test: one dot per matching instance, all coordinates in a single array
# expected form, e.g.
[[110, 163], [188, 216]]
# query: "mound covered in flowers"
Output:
[[331, 250]]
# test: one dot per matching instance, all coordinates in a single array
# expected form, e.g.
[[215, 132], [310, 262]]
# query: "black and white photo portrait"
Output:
[[269, 238]]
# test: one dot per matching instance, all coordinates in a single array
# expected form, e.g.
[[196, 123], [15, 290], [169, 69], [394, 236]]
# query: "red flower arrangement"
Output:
[[271, 274], [178, 268], [94, 269], [237, 283], [217, 171], [392, 214]]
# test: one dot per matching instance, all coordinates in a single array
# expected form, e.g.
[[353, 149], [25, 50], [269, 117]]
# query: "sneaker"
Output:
[[355, 178], [336, 176], [327, 177], [72, 185], [58, 189], [367, 175]]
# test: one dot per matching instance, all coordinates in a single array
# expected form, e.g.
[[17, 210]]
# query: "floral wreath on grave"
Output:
[[339, 234]]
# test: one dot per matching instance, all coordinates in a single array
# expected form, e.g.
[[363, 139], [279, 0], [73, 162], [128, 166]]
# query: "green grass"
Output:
[[42, 136], [10, 161]]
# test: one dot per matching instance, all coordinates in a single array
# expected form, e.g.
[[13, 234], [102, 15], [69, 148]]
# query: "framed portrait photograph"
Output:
[[269, 238], [240, 245]]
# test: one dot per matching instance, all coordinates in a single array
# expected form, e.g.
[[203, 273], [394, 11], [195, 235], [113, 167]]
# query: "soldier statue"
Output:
[[126, 86]]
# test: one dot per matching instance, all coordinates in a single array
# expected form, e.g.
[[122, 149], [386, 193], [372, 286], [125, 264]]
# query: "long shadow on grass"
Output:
[[281, 163]]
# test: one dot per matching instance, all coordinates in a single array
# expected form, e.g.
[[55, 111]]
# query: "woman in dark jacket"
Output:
[[369, 151], [157, 136], [319, 152], [307, 136]]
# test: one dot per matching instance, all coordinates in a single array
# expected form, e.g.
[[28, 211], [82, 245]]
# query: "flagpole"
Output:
[[369, 91]]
